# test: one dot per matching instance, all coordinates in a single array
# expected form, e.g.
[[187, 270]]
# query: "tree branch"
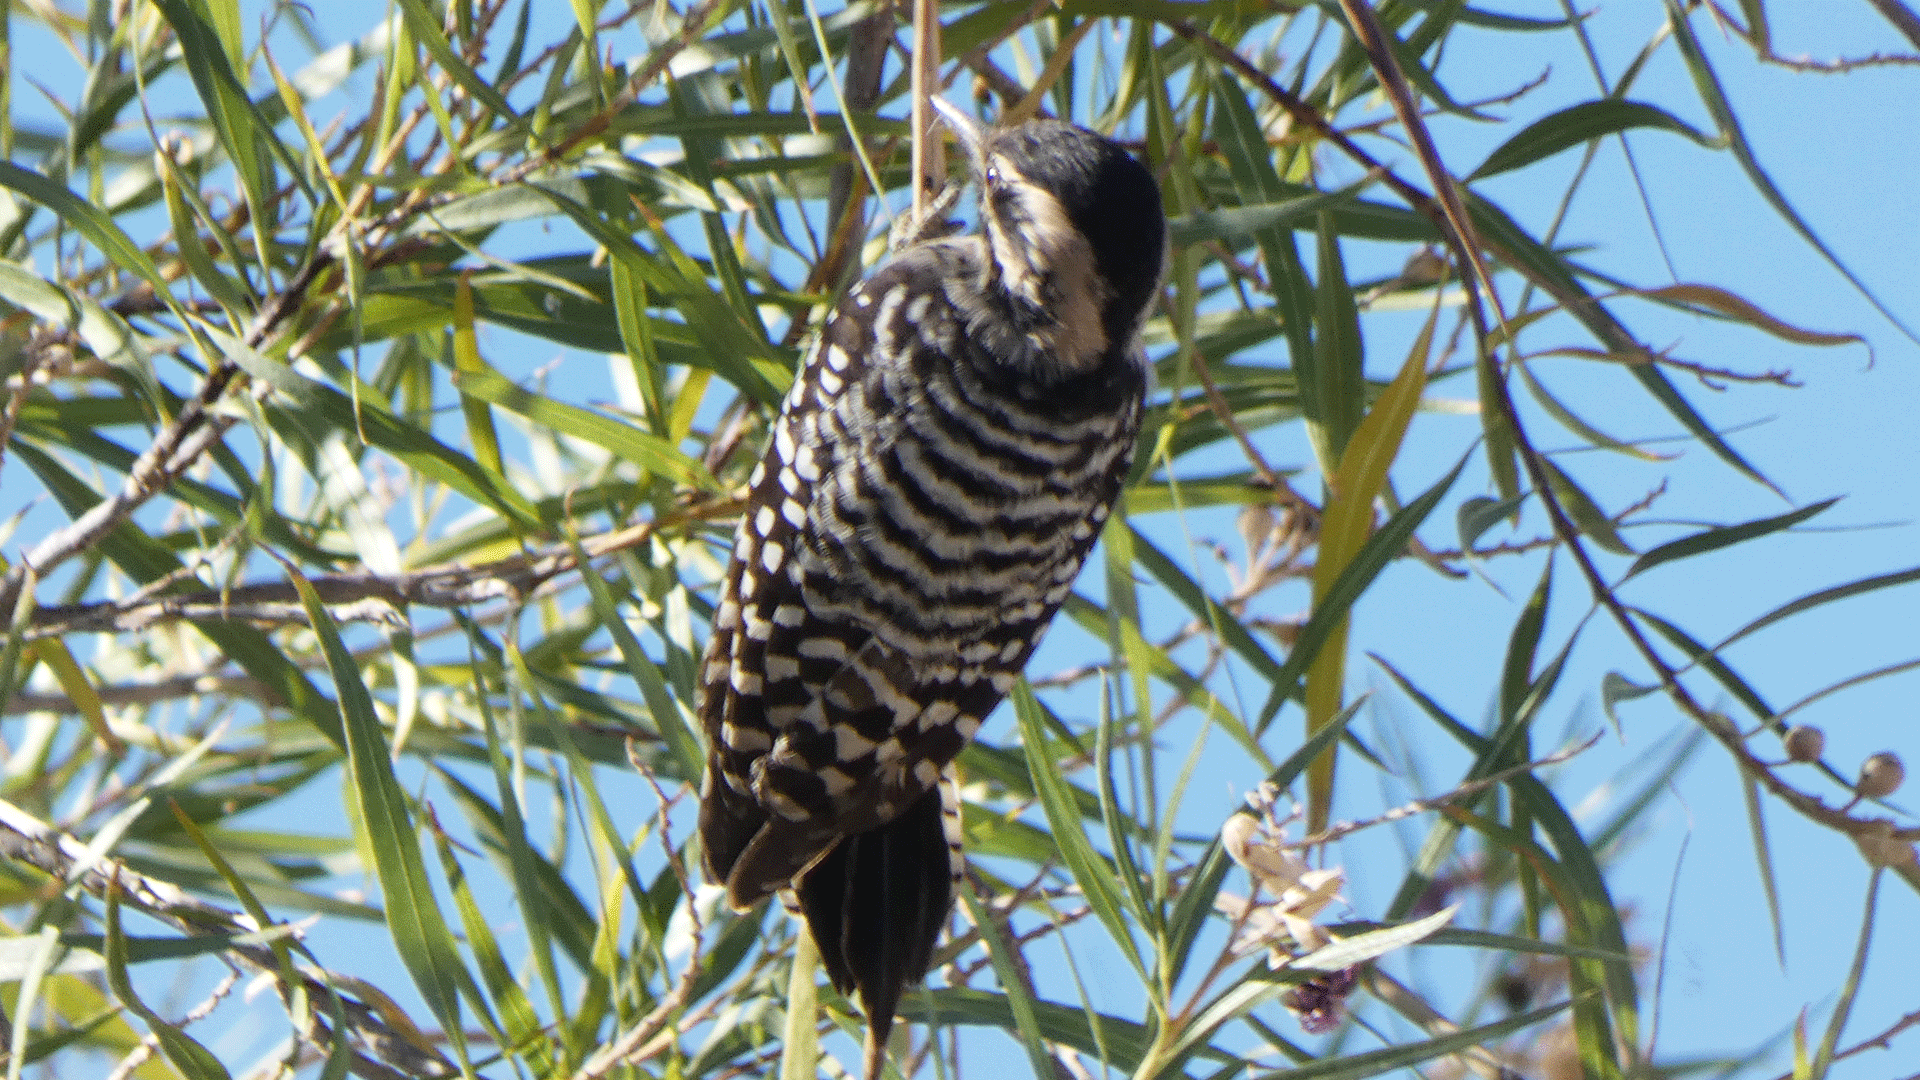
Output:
[[358, 597]]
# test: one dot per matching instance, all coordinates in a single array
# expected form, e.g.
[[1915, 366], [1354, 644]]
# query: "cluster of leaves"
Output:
[[314, 536]]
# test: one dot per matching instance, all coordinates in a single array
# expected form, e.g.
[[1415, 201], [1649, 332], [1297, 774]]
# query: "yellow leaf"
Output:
[[1345, 524]]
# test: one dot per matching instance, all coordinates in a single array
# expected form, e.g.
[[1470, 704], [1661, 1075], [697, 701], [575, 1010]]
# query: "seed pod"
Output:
[[1804, 743], [1880, 775]]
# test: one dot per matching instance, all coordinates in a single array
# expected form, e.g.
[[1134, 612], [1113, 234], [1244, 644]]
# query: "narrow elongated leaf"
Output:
[[1019, 1000], [1709, 660], [425, 28], [1386, 544], [1581, 123], [623, 440], [1714, 97], [524, 1034], [1821, 597], [248, 138], [1091, 871], [1332, 383], [1843, 1008], [1575, 423], [1763, 863], [181, 1049], [1733, 306], [1377, 1062], [1345, 523], [1724, 536], [1251, 219], [1584, 512], [89, 220], [420, 935], [665, 710], [466, 362], [1516, 676]]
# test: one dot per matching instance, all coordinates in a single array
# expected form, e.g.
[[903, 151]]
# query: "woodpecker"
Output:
[[944, 462]]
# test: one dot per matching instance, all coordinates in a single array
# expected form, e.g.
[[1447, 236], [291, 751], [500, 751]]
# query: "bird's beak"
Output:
[[965, 128]]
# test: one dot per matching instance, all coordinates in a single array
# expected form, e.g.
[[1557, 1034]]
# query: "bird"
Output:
[[943, 463]]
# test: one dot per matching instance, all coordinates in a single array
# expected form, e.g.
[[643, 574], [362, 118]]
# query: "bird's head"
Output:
[[1075, 230]]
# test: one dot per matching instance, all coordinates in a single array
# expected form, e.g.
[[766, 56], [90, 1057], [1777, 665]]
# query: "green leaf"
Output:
[[1763, 863], [1387, 543], [1582, 123], [661, 705], [1249, 220], [420, 935], [1480, 513], [1849, 991], [466, 363], [1584, 513], [90, 221], [1516, 676], [182, 1050], [1091, 871], [1824, 596], [1376, 1062], [624, 441], [1709, 660], [1714, 96], [1723, 536], [1019, 1001], [525, 1036], [425, 28], [1333, 393], [248, 138], [1575, 423]]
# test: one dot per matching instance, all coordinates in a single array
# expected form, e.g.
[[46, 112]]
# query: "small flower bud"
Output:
[[1804, 743], [1880, 775]]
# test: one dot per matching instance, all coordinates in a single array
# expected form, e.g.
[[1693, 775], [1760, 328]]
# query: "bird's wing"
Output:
[[816, 727]]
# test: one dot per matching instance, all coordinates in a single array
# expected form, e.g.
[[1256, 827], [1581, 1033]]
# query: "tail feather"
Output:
[[875, 906]]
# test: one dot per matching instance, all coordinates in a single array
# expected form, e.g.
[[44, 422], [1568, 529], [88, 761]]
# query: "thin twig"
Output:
[[1465, 246], [25, 839], [365, 596]]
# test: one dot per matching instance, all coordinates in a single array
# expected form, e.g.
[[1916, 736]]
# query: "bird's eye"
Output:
[[992, 177]]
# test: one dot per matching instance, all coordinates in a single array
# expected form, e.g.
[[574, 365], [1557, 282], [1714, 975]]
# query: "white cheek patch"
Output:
[[1050, 265]]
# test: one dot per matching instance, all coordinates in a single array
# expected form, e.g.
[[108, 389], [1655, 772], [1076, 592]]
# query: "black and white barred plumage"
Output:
[[939, 471]]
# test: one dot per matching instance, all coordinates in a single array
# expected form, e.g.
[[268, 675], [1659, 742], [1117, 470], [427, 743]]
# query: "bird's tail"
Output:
[[876, 904]]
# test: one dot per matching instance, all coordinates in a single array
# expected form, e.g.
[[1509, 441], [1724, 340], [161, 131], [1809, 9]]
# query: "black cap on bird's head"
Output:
[[1074, 223]]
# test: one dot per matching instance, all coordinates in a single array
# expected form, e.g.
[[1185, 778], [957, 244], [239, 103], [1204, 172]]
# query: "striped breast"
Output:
[[920, 516]]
